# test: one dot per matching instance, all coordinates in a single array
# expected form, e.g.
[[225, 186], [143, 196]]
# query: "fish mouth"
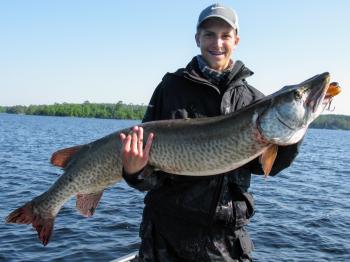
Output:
[[318, 92]]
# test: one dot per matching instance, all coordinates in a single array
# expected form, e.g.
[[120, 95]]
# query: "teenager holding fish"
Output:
[[190, 218], [198, 218]]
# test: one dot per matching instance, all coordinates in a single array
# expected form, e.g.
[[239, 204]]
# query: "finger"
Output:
[[134, 143], [126, 144], [133, 130], [148, 145], [140, 142], [122, 137]]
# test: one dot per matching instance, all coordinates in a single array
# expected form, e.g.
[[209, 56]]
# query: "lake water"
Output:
[[303, 214]]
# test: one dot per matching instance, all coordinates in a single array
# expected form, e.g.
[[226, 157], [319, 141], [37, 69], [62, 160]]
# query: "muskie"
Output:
[[195, 147]]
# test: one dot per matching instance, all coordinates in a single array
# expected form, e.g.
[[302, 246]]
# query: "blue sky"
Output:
[[106, 51]]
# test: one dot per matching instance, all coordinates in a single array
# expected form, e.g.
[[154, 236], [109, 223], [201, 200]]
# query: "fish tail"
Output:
[[26, 215]]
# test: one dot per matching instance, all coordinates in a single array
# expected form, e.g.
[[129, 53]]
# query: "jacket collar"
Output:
[[192, 71]]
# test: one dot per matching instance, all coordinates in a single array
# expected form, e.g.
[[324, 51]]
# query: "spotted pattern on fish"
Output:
[[197, 147]]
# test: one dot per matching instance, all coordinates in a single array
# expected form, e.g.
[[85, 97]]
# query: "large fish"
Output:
[[196, 147]]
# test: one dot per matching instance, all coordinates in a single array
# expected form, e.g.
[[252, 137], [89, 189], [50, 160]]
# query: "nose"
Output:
[[219, 41]]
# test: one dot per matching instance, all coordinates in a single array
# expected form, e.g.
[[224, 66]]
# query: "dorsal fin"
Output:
[[268, 158], [62, 157]]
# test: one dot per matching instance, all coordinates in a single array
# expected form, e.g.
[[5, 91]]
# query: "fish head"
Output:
[[292, 109]]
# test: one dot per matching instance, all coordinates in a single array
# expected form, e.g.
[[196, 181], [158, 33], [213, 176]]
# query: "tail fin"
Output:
[[26, 215]]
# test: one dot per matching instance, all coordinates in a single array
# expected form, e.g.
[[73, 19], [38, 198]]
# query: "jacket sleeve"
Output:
[[147, 178], [144, 180], [153, 111], [285, 157]]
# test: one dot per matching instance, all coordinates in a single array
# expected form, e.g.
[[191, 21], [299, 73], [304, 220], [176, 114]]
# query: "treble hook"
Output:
[[333, 90], [329, 106]]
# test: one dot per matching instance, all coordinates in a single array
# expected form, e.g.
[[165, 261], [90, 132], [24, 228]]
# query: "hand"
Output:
[[134, 157]]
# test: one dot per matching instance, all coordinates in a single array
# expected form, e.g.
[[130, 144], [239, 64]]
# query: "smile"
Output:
[[216, 53]]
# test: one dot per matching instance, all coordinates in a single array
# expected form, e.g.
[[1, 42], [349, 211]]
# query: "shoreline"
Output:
[[329, 121]]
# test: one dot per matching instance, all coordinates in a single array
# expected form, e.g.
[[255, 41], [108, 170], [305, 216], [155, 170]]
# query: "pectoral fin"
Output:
[[87, 203], [268, 158]]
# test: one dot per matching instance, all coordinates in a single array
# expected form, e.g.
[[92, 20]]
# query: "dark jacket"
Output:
[[200, 202]]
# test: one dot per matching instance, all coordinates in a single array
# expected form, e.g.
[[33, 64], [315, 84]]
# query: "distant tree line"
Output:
[[131, 111], [87, 109], [332, 122]]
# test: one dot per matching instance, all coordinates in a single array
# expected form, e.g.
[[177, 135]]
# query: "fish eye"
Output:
[[298, 95]]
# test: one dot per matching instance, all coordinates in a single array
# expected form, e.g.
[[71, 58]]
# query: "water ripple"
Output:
[[302, 214]]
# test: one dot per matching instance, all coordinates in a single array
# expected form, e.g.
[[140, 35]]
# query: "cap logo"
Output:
[[216, 7]]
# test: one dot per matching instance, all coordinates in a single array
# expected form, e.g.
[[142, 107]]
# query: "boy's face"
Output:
[[216, 40]]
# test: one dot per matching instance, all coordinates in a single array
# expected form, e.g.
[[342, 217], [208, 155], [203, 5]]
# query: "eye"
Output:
[[208, 34], [298, 95]]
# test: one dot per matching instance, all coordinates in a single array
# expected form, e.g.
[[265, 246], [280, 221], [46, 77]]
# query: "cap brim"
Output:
[[234, 26]]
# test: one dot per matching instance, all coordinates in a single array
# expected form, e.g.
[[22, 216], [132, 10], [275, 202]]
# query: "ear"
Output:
[[197, 39], [236, 41]]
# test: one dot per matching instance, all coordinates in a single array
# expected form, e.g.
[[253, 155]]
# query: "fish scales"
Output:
[[194, 149], [205, 146], [205, 149]]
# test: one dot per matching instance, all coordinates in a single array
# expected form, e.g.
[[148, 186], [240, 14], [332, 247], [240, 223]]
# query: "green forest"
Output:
[[121, 110], [332, 122]]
